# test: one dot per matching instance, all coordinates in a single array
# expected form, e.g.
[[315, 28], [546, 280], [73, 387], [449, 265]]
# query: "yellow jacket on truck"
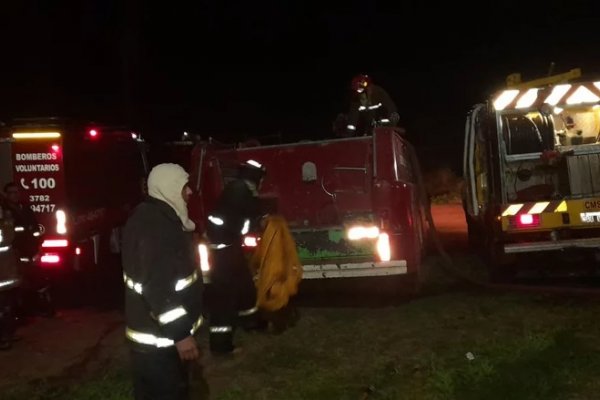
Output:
[[277, 266]]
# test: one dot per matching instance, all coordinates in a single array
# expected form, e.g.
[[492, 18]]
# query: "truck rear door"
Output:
[[37, 168]]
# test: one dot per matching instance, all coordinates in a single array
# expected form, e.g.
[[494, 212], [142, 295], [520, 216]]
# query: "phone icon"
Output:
[[24, 184]]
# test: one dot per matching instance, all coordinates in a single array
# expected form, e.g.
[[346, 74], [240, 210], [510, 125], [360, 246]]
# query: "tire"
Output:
[[502, 267], [476, 236]]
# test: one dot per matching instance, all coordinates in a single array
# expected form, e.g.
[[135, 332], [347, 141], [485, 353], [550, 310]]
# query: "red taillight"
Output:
[[55, 243], [250, 241], [78, 251], [93, 133], [527, 220], [50, 259]]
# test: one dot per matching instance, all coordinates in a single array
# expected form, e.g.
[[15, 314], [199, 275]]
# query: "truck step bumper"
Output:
[[532, 247], [350, 270]]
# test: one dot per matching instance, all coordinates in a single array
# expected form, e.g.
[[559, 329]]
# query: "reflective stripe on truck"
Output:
[[549, 215], [348, 270]]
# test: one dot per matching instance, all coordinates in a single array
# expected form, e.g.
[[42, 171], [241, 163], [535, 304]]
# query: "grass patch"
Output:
[[548, 366], [417, 351], [524, 347], [114, 385]]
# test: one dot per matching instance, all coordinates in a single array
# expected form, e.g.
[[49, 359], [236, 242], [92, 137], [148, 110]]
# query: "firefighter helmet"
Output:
[[360, 83], [252, 171]]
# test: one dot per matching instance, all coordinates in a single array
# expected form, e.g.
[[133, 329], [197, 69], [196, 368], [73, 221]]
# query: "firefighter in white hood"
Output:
[[163, 293]]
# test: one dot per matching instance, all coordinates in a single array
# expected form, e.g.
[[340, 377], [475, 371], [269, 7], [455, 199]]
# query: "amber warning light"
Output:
[[36, 135]]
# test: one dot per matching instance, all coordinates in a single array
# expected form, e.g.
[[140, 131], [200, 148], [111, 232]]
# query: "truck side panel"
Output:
[[316, 185]]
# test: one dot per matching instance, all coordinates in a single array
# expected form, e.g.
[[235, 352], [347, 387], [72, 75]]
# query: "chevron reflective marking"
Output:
[[562, 207], [558, 206], [512, 210], [538, 208]]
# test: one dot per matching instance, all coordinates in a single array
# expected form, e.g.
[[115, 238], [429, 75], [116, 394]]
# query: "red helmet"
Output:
[[360, 83]]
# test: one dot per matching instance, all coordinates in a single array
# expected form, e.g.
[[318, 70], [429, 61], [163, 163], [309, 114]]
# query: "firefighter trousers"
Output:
[[159, 374], [7, 315], [232, 297]]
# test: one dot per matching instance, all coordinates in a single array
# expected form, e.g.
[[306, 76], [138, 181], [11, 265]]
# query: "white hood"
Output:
[[165, 182]]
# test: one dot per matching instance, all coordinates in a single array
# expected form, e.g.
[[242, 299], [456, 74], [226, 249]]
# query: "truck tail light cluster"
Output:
[[363, 232], [55, 243], [250, 241], [52, 255], [61, 222], [50, 259], [382, 244], [522, 221]]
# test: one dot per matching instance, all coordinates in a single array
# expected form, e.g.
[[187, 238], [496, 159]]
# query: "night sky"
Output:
[[256, 68]]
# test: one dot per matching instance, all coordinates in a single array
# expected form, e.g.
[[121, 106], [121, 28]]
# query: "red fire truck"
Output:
[[80, 179], [352, 204]]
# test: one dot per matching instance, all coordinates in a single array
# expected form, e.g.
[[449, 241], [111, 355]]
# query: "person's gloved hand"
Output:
[[188, 349]]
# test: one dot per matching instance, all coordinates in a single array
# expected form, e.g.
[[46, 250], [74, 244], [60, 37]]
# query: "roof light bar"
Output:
[[36, 135], [504, 99], [582, 95], [557, 93], [527, 99]]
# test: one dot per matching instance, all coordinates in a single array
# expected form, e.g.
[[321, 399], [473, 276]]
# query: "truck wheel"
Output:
[[476, 237], [406, 287], [502, 267]]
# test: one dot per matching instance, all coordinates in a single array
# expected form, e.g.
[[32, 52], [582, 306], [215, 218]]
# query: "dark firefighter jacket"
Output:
[[237, 212], [366, 108], [9, 273], [27, 239], [163, 291]]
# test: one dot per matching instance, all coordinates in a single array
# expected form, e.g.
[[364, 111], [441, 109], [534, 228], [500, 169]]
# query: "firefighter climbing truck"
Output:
[[353, 204], [532, 172]]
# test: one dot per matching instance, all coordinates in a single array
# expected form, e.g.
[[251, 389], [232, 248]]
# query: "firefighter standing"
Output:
[[371, 106], [26, 245], [163, 297], [233, 294], [27, 238], [9, 281]]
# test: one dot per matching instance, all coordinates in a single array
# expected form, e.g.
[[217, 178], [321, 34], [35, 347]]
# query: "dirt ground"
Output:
[[81, 342], [54, 347]]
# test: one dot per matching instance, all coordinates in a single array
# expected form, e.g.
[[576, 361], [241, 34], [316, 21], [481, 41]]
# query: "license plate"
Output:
[[590, 217]]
